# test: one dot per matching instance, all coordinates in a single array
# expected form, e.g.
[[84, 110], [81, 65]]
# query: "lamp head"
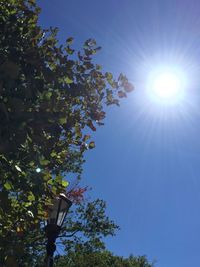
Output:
[[58, 211]]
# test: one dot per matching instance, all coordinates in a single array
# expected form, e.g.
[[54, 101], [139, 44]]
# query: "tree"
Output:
[[81, 241], [85, 227], [51, 98], [81, 258]]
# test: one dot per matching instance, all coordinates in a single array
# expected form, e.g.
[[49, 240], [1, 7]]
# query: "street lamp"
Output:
[[56, 216]]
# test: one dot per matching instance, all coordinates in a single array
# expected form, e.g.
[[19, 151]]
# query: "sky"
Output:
[[146, 161]]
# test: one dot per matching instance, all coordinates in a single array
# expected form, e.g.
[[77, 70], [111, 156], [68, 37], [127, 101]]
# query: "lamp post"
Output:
[[56, 217]]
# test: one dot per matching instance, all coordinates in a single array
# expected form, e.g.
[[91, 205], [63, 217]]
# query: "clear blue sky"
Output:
[[146, 161]]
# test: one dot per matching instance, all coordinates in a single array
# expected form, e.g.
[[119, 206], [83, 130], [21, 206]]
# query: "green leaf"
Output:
[[47, 176], [50, 182], [44, 162], [28, 204], [65, 183], [91, 145], [48, 95], [78, 131], [69, 40], [89, 43], [109, 76], [58, 178], [69, 50], [3, 157], [54, 190], [68, 80], [32, 163], [8, 186], [31, 196], [63, 120], [86, 137], [53, 154], [98, 67]]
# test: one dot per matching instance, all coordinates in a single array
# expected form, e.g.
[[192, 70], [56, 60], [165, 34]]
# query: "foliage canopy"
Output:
[[100, 259], [51, 98]]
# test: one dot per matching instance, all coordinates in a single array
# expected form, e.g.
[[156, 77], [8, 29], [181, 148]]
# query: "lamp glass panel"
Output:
[[64, 206], [53, 211]]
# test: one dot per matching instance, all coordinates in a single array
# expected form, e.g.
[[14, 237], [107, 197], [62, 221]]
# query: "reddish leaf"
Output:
[[77, 195], [121, 94], [101, 115], [91, 126], [128, 87]]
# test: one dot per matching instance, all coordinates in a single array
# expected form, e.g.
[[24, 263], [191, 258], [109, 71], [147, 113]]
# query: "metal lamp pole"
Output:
[[56, 217]]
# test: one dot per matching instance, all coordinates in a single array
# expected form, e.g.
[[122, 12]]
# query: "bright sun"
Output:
[[166, 85]]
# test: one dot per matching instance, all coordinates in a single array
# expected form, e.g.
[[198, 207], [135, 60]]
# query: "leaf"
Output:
[[128, 87], [31, 196], [109, 76], [58, 179], [63, 120], [69, 50], [121, 94], [18, 168], [68, 80], [48, 95], [3, 157], [54, 190], [91, 126], [32, 163], [98, 67], [78, 131], [44, 162], [65, 183], [8, 186], [32, 2], [47, 176], [30, 213], [69, 40], [100, 123], [89, 43], [91, 145], [83, 147], [53, 154], [86, 137], [28, 204], [99, 115], [50, 182]]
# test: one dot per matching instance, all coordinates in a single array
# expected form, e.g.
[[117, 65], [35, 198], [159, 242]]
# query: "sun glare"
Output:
[[166, 85]]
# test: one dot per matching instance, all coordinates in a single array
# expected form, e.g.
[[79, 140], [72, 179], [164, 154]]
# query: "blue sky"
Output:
[[146, 161]]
